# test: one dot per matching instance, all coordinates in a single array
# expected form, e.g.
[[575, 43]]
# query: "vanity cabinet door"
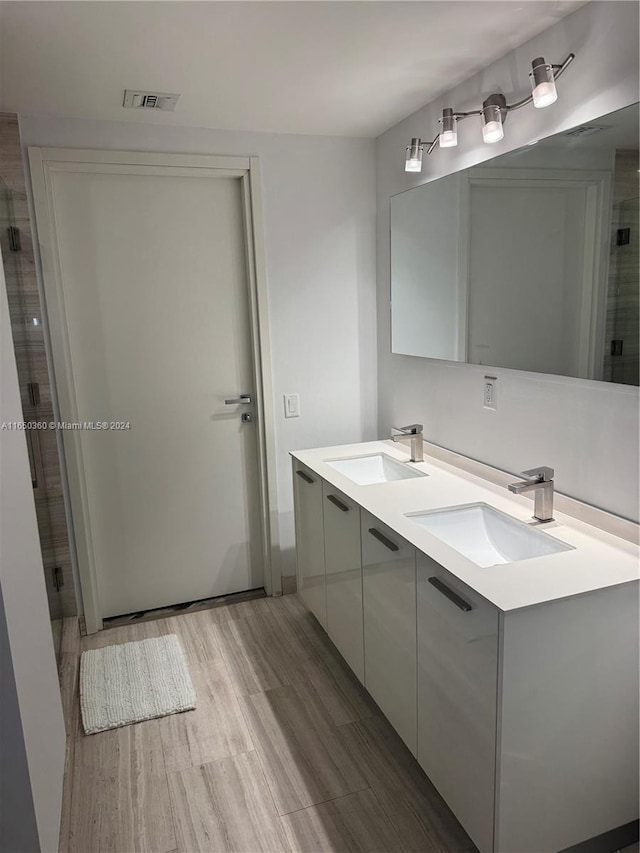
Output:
[[307, 490], [343, 561], [457, 696], [389, 595]]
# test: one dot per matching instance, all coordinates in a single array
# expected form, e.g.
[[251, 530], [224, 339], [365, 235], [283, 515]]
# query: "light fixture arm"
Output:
[[557, 71], [433, 144], [498, 100]]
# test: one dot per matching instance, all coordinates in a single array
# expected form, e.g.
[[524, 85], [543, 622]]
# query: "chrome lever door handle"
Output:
[[235, 401]]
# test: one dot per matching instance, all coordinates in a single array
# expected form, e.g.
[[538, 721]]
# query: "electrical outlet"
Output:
[[490, 393], [292, 405]]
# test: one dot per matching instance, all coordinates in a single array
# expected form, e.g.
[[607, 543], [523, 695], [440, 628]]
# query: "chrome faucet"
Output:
[[412, 433], [541, 481]]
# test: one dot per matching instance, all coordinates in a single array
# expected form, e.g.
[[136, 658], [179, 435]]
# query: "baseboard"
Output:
[[609, 842]]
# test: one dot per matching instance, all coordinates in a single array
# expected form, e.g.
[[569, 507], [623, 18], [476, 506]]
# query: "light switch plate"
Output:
[[292, 405]]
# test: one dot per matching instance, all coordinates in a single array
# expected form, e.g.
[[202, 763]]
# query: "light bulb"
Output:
[[413, 163], [542, 84], [492, 130], [448, 139], [545, 94]]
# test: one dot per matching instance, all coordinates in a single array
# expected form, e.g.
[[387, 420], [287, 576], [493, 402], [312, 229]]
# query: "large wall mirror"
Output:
[[529, 261]]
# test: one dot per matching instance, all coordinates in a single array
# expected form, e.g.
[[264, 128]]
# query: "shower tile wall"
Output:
[[622, 292], [24, 307]]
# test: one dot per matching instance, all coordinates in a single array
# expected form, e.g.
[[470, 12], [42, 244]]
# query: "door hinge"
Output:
[[15, 244], [616, 347], [58, 580]]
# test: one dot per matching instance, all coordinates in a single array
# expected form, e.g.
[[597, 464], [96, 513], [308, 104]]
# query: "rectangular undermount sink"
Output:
[[487, 536], [375, 468]]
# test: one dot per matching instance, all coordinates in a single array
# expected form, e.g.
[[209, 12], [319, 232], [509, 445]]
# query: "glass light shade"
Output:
[[543, 84], [448, 139], [492, 130], [413, 162], [545, 94]]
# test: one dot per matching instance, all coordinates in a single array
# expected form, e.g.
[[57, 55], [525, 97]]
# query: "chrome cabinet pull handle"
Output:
[[383, 539], [235, 401], [453, 597], [305, 477], [337, 502]]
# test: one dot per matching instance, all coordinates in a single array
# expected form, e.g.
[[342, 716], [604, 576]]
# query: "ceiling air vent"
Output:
[[136, 100], [587, 129]]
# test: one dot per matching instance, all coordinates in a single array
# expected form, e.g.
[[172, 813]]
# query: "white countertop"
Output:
[[599, 560]]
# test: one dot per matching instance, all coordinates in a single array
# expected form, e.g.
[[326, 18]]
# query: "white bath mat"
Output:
[[132, 682]]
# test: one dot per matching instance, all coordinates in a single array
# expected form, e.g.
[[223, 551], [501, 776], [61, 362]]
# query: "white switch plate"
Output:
[[292, 405], [490, 393]]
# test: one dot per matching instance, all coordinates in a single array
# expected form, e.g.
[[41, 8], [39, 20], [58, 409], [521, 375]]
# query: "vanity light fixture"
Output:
[[448, 137], [414, 155], [493, 113], [543, 83]]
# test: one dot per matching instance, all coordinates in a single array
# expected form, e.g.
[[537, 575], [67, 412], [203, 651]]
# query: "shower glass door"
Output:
[[22, 318], [625, 363]]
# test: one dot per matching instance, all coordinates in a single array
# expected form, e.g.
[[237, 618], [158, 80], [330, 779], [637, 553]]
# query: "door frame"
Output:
[[44, 162], [597, 185]]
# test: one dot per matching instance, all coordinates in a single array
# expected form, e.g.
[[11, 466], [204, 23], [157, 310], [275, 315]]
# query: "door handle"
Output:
[[235, 401], [337, 502], [453, 597], [383, 539]]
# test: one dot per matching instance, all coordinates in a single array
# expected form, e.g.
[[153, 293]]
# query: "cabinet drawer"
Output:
[[389, 595], [457, 696], [307, 490], [343, 564]]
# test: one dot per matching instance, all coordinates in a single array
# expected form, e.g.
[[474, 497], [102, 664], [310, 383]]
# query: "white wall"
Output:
[[319, 214], [36, 732], [588, 431]]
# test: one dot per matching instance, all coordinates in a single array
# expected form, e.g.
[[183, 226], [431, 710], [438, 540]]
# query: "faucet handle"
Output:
[[544, 474], [411, 429]]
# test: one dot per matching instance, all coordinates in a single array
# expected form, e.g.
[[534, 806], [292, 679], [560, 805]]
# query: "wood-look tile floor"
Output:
[[285, 752]]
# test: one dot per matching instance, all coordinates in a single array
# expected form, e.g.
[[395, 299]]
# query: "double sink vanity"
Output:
[[502, 649]]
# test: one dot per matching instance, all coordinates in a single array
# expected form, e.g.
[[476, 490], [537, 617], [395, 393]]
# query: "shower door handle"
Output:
[[236, 401]]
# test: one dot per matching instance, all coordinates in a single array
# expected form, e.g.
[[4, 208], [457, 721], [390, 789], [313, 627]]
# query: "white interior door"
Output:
[[154, 301]]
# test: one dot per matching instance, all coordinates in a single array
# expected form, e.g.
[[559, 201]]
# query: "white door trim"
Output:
[[43, 163]]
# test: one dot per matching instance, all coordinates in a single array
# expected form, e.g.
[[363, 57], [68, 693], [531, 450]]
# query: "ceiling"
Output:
[[329, 68]]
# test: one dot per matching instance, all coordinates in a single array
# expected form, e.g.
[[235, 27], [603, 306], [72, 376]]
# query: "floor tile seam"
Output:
[[272, 798], [212, 761], [390, 820], [172, 807], [328, 800], [259, 749], [373, 782], [197, 741], [411, 799], [262, 760]]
